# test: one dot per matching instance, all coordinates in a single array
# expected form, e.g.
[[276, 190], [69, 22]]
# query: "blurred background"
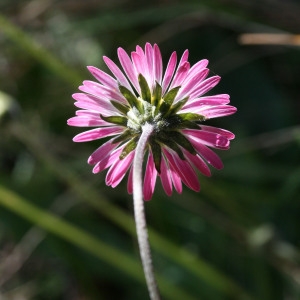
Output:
[[65, 235]]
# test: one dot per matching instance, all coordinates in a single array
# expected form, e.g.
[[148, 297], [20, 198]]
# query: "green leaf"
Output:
[[118, 120], [177, 107], [145, 90], [129, 147], [156, 151], [185, 125], [120, 107], [156, 94], [180, 139], [131, 98], [191, 117], [170, 96], [167, 101], [126, 135], [165, 139]]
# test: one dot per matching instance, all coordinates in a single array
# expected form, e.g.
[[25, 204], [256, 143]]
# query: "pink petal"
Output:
[[122, 80], [102, 92], [223, 132], [180, 75], [107, 161], [81, 121], [139, 65], [149, 65], [103, 77], [182, 70], [211, 157], [184, 58], [190, 85], [150, 178], [176, 179], [87, 113], [139, 50], [165, 177], [205, 86], [98, 133], [208, 138], [169, 72], [158, 65], [215, 100], [197, 68], [216, 112], [103, 151], [128, 68], [184, 170], [85, 101], [118, 170], [198, 162]]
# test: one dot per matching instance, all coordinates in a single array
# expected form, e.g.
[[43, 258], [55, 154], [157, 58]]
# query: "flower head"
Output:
[[174, 102]]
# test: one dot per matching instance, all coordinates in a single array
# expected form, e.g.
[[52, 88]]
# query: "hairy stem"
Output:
[[139, 212]]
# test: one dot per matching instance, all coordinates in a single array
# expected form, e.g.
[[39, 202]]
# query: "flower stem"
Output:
[[139, 212]]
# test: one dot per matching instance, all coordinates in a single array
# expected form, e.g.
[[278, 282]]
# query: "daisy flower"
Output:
[[174, 103], [142, 110]]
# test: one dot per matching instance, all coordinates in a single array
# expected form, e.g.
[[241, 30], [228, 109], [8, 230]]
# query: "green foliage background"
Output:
[[65, 235]]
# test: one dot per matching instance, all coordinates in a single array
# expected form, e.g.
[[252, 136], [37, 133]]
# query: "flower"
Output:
[[174, 102]]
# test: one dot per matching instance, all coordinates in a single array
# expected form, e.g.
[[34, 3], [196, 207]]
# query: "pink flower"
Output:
[[174, 102]]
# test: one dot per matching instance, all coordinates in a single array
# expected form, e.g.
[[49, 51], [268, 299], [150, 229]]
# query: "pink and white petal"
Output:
[[189, 85], [215, 100], [98, 133], [91, 106], [208, 138], [182, 69], [138, 63], [217, 111], [140, 66], [197, 68], [169, 72], [139, 50], [217, 130], [85, 101], [102, 92], [91, 115], [103, 77], [81, 121], [108, 160], [87, 113], [187, 173], [210, 156], [184, 170], [118, 170], [198, 162], [205, 86], [176, 179], [122, 80], [180, 75], [103, 151], [128, 68], [158, 65], [150, 64], [150, 178], [165, 176], [184, 58]]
